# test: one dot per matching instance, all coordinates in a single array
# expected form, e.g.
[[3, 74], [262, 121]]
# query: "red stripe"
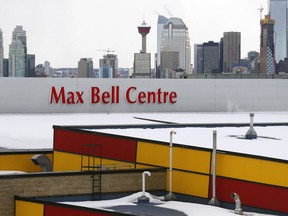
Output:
[[117, 148], [252, 194], [51, 210]]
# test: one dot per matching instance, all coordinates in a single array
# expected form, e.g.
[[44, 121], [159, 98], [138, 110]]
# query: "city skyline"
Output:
[[62, 32]]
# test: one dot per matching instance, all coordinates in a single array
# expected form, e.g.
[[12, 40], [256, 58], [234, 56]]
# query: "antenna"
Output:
[[268, 6], [260, 9]]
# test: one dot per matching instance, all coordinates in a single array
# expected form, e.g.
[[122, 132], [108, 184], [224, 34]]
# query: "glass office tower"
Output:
[[279, 9]]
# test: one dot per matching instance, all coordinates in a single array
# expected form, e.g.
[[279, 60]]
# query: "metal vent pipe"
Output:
[[238, 209], [251, 133], [43, 161]]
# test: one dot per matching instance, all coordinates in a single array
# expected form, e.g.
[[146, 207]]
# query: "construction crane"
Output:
[[108, 50], [260, 9]]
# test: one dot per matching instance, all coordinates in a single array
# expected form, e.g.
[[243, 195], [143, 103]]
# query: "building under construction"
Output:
[[267, 46]]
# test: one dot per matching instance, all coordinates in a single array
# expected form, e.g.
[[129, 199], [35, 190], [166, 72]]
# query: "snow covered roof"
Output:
[[130, 205], [35, 131]]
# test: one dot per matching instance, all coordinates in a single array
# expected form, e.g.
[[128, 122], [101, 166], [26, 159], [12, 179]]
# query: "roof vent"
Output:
[[42, 161], [251, 133]]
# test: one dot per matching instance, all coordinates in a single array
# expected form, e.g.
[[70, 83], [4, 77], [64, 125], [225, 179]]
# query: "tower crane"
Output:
[[108, 50]]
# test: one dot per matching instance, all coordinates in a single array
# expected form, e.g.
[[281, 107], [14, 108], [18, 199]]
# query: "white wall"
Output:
[[32, 95]]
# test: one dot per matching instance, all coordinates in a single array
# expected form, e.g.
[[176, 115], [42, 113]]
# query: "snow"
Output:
[[10, 172], [34, 131], [190, 209]]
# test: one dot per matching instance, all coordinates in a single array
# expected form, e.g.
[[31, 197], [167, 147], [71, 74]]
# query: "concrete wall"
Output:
[[53, 184], [32, 95]]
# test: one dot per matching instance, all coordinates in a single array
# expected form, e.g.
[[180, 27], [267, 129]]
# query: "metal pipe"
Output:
[[171, 159], [214, 164], [238, 209], [251, 119], [214, 200], [143, 181]]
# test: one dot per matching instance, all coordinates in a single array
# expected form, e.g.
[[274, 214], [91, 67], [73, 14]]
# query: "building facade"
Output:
[[279, 13], [31, 65], [108, 66], [267, 46], [18, 53], [85, 68], [231, 50], [1, 54], [198, 58], [175, 39], [160, 25], [211, 57]]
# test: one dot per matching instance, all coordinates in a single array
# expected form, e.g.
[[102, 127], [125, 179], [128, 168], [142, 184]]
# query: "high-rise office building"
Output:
[[142, 60], [198, 58], [279, 13], [108, 66], [175, 43], [85, 68], [31, 65], [1, 54], [231, 50], [48, 68], [267, 47], [18, 53], [160, 26], [5, 67], [211, 57]]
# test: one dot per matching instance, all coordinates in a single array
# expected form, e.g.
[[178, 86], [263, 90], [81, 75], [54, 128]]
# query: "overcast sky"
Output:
[[63, 31]]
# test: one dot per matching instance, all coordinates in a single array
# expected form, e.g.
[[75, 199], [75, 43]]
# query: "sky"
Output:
[[63, 31]]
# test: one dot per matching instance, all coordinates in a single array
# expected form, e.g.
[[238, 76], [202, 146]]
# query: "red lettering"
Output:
[[173, 97], [141, 97], [95, 98], [70, 99], [106, 97], [159, 92], [127, 95], [79, 96], [151, 97], [57, 98]]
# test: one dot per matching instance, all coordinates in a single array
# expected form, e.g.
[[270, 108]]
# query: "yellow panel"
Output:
[[189, 183], [19, 162], [23, 208], [153, 154], [183, 158], [72, 162], [66, 162], [192, 160], [252, 169]]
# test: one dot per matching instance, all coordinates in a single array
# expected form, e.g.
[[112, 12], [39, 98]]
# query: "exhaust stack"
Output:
[[251, 133], [238, 209]]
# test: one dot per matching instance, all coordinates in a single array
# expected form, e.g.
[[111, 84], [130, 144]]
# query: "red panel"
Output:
[[252, 194], [51, 210], [117, 148]]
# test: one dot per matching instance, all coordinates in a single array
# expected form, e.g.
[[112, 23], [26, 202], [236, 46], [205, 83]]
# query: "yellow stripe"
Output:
[[154, 154], [192, 160], [72, 162], [252, 169], [189, 183], [183, 158], [19, 162], [23, 208]]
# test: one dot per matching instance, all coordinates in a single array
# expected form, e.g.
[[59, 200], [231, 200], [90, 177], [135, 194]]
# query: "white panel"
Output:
[[31, 95]]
